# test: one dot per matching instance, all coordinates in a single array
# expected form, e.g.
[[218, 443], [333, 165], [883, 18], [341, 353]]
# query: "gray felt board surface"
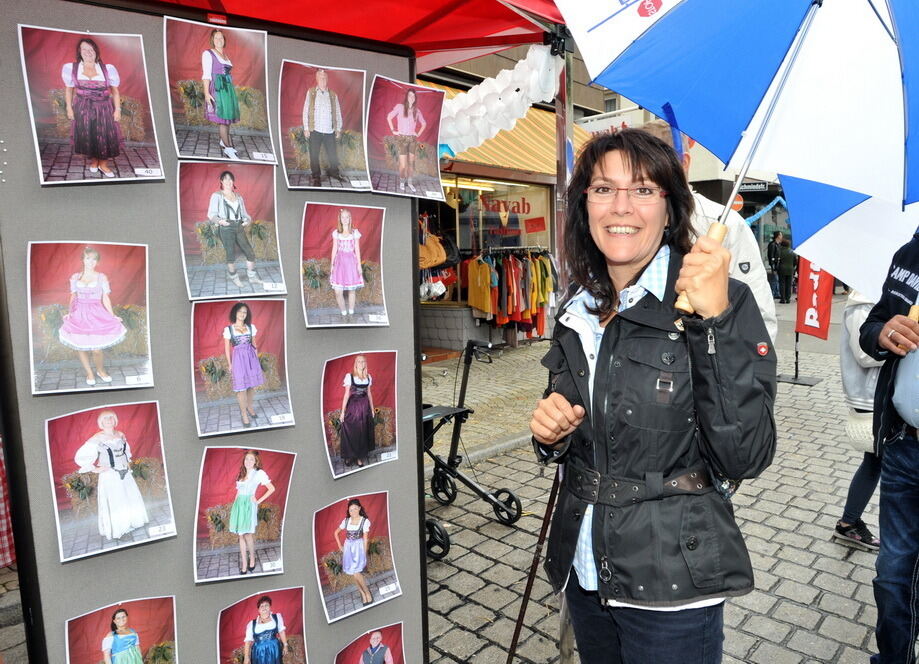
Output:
[[146, 213]]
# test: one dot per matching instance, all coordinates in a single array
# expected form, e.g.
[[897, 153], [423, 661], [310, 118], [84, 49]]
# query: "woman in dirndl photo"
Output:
[[220, 101]]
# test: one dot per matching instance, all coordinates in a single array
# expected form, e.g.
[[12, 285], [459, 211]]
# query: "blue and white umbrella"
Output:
[[818, 91]]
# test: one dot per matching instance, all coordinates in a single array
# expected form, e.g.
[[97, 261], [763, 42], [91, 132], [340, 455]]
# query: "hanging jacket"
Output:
[[662, 535]]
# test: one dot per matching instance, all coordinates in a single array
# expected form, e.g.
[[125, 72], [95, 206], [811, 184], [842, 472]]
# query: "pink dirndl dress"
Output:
[[346, 273], [89, 325]]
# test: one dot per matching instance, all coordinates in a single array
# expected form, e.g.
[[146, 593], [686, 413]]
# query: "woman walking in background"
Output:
[[242, 359], [221, 103], [93, 106], [91, 326], [788, 265], [244, 512]]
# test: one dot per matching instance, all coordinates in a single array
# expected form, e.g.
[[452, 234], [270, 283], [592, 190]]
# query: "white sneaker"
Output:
[[401, 185], [411, 187], [231, 153]]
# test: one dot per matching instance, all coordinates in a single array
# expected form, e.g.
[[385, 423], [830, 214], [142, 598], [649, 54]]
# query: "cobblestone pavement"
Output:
[[425, 185], [58, 163], [224, 563], [364, 314], [356, 180], [813, 600], [81, 536], [376, 456], [211, 280], [12, 630], [348, 601], [223, 416], [205, 142], [126, 371]]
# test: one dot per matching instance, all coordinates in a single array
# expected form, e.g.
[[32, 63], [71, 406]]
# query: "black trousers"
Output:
[[330, 145], [785, 287]]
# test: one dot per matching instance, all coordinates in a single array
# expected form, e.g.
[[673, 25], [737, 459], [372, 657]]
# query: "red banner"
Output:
[[815, 295], [535, 224]]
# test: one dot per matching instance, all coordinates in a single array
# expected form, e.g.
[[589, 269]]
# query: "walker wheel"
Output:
[[438, 540], [443, 487], [510, 509]]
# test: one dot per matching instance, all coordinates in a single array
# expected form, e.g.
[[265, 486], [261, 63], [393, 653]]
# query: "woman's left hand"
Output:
[[704, 277]]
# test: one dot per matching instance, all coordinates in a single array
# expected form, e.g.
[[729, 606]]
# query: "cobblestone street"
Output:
[[355, 180], [207, 281], [224, 563], [813, 600], [273, 409], [126, 371], [12, 630], [364, 314], [59, 164], [425, 185], [348, 600], [81, 536], [204, 142]]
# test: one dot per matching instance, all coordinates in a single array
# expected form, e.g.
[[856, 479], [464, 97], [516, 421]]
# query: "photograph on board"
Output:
[[403, 128], [129, 632], [217, 80], [382, 645], [89, 102], [359, 410], [321, 125], [108, 478], [239, 523], [228, 230], [354, 559], [341, 266], [89, 323], [239, 366], [264, 628]]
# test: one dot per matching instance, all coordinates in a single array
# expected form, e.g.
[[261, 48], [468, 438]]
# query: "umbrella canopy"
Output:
[[818, 92], [442, 32]]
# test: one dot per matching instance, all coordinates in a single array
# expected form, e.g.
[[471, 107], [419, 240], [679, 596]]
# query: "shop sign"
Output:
[[515, 206], [535, 225], [754, 186], [219, 19], [504, 231]]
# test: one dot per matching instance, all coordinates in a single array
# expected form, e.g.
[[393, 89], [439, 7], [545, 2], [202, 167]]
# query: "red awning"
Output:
[[449, 30]]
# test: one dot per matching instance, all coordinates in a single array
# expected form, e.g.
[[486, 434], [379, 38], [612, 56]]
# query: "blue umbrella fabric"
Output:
[[824, 87]]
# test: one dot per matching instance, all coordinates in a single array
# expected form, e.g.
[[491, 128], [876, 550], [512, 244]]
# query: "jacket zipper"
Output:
[[711, 341]]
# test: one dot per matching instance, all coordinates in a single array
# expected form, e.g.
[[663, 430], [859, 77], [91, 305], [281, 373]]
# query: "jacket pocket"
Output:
[[699, 542]]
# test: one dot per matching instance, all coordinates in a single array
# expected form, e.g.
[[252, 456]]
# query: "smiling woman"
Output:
[[646, 406]]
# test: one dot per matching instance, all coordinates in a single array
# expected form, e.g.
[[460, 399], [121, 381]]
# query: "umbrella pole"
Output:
[[797, 379], [794, 51]]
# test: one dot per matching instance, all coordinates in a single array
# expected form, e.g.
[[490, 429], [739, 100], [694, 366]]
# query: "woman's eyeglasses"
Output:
[[602, 193]]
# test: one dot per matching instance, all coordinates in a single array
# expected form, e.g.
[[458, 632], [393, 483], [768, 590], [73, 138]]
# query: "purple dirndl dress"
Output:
[[357, 435], [354, 556], [247, 370], [225, 109], [94, 132]]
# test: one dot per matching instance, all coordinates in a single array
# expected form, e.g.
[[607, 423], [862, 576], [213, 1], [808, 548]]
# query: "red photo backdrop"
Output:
[[153, 620], [385, 94], [197, 181], [218, 479], [53, 263], [185, 42], [392, 637], [46, 51], [139, 422], [211, 318], [320, 219], [328, 519], [297, 78], [381, 365], [235, 619]]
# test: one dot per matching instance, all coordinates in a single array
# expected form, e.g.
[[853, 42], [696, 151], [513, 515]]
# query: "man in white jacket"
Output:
[[746, 260]]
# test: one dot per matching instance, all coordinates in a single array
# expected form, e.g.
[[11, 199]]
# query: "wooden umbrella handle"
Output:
[[717, 231], [914, 312]]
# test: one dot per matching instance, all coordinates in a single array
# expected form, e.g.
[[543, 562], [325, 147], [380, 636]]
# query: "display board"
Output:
[[143, 211]]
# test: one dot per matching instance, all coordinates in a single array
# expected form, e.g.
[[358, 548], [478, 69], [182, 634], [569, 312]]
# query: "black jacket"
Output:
[[772, 255], [900, 291], [654, 544]]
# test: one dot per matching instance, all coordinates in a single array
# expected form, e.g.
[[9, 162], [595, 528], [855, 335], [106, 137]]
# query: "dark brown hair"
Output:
[[214, 32], [242, 467], [262, 600], [414, 105], [647, 157], [95, 48], [117, 611]]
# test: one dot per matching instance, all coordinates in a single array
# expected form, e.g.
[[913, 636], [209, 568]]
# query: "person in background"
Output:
[[788, 265], [378, 652], [220, 99], [772, 256], [746, 259], [859, 373], [889, 335], [322, 125]]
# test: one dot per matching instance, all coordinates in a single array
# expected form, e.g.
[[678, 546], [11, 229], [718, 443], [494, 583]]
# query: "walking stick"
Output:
[[537, 554]]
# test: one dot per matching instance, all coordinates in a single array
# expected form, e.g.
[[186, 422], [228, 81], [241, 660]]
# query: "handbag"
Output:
[[859, 433], [431, 252]]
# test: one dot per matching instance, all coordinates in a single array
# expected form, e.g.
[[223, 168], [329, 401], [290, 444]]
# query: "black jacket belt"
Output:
[[597, 489]]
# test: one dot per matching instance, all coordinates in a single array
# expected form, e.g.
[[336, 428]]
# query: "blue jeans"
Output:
[[896, 587], [635, 636], [774, 283]]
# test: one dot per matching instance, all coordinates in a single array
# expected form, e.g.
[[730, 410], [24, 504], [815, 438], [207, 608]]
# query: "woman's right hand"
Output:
[[69, 113], [223, 222], [555, 418]]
